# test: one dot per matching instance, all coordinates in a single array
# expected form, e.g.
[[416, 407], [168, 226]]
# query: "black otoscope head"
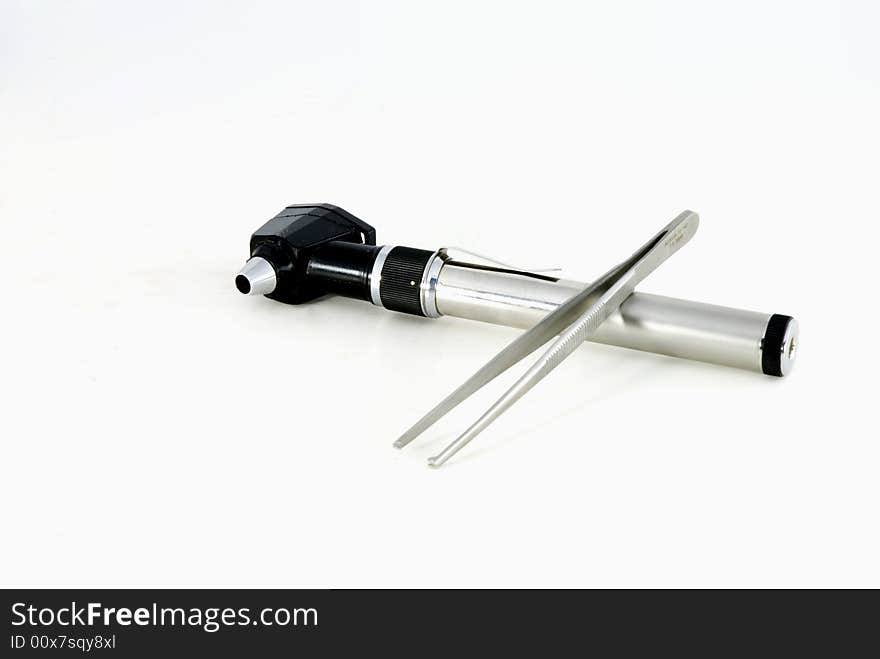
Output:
[[308, 250]]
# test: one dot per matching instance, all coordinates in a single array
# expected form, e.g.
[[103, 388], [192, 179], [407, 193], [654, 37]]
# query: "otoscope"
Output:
[[311, 250]]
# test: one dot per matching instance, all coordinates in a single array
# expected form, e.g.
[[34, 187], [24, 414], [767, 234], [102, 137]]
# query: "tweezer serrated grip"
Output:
[[575, 335]]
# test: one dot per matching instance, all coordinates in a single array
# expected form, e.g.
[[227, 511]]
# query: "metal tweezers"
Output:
[[573, 321]]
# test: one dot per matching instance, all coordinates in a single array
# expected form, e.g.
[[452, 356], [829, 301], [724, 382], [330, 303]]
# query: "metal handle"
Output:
[[652, 323]]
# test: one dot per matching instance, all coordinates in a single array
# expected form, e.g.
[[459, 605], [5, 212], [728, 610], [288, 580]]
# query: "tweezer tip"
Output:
[[435, 462]]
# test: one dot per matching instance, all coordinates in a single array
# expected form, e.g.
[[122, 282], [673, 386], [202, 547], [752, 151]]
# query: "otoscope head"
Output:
[[289, 254]]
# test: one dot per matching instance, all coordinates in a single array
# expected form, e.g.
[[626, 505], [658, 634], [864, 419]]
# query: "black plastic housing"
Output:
[[317, 249]]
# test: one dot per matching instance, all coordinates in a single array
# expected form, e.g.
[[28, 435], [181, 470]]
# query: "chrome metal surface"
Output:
[[376, 274], [257, 277], [790, 346], [652, 323], [572, 321], [428, 287]]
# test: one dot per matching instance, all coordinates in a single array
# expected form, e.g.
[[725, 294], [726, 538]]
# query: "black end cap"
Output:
[[772, 346]]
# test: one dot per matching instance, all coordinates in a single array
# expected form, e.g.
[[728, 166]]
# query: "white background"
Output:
[[159, 428]]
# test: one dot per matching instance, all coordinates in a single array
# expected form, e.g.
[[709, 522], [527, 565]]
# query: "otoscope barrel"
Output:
[[761, 342]]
